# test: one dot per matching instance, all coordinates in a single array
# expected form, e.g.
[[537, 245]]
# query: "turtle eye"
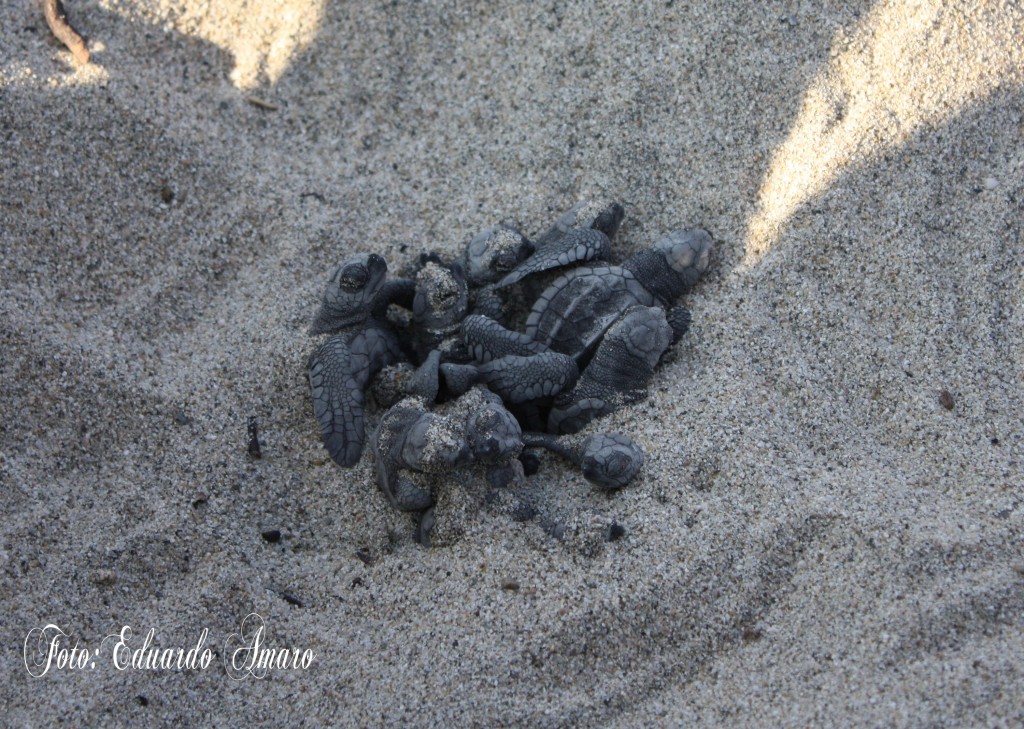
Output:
[[505, 261], [354, 278]]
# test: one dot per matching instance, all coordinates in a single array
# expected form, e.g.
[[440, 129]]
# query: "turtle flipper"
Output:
[[516, 378], [486, 340], [585, 214], [338, 371], [576, 246], [338, 402]]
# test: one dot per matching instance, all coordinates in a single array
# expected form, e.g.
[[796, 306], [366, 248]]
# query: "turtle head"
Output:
[[349, 295], [687, 252], [493, 253], [611, 460], [494, 435], [441, 296]]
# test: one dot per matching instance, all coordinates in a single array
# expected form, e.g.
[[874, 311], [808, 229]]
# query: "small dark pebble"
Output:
[[103, 578], [167, 195], [531, 463], [616, 531], [290, 598], [143, 701], [555, 529], [510, 585], [364, 555], [523, 512], [180, 418], [946, 400], [750, 635], [271, 535], [254, 439]]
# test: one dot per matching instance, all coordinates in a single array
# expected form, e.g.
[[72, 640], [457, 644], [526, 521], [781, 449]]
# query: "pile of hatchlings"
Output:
[[473, 365]]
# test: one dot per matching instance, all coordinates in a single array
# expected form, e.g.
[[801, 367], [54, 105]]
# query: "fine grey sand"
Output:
[[828, 530]]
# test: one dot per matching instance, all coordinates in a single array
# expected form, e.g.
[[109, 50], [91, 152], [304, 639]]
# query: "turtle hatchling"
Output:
[[474, 376]]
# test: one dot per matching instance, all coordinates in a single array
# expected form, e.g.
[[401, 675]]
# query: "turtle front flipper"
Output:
[[576, 246], [486, 339], [338, 402], [339, 370], [516, 378]]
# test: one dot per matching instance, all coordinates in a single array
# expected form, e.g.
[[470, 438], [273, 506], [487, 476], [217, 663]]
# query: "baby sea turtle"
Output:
[[418, 451], [354, 309], [476, 429], [575, 311]]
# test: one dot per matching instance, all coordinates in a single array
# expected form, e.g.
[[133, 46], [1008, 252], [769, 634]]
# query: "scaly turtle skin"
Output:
[[605, 217], [516, 378], [355, 302]]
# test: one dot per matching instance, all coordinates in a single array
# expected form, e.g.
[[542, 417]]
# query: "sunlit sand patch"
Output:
[[262, 35], [905, 65]]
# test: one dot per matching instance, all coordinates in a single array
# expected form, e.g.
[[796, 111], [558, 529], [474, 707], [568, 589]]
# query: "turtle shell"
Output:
[[577, 308]]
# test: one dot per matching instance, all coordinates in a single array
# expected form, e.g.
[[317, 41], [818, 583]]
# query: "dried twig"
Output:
[[262, 103], [57, 19]]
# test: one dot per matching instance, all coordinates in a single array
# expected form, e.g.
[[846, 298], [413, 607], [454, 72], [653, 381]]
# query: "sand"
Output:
[[828, 530]]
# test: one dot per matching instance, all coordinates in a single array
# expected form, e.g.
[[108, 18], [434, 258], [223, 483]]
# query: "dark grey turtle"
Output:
[[608, 460], [610, 320], [418, 451], [355, 304], [575, 311], [583, 233]]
